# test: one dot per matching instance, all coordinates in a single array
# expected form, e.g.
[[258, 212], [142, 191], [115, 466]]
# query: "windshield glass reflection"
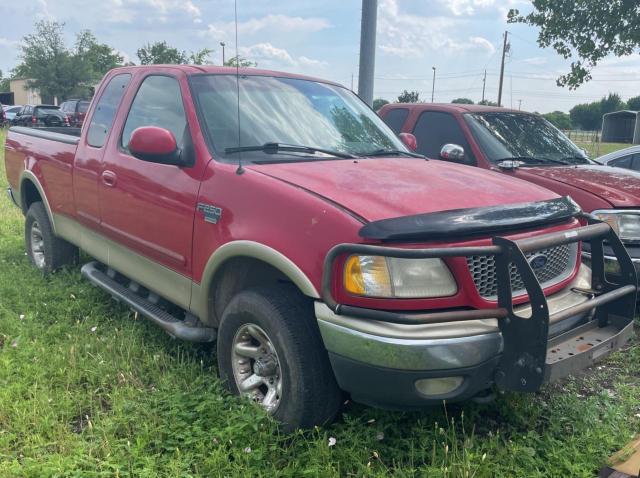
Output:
[[506, 135], [285, 110]]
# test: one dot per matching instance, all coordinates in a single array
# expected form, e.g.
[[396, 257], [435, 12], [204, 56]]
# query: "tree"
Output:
[[4, 83], [409, 97], [240, 62], [588, 116], [632, 103], [97, 57], [462, 101], [200, 57], [487, 103], [379, 103], [159, 53], [48, 63], [588, 29], [559, 119]]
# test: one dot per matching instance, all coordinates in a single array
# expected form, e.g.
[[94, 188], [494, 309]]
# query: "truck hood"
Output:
[[620, 187], [383, 188]]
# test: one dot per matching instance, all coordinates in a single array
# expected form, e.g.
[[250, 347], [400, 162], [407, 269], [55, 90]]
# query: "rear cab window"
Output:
[[105, 110], [395, 118]]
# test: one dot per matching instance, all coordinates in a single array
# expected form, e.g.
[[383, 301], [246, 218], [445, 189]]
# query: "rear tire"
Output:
[[46, 251], [290, 367]]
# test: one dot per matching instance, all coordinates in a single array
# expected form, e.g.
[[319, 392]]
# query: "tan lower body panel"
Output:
[[160, 279]]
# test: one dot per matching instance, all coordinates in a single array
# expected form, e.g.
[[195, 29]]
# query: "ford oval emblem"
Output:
[[538, 262]]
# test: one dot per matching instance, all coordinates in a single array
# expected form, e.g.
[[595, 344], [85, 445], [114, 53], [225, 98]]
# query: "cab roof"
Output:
[[221, 70]]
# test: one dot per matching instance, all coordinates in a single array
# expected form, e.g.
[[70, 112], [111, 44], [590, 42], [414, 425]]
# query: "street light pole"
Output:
[[433, 86], [367, 50], [222, 44]]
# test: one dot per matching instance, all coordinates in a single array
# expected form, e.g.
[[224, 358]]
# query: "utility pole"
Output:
[[505, 48], [222, 44], [519, 105], [367, 50], [433, 85], [484, 84], [351, 81]]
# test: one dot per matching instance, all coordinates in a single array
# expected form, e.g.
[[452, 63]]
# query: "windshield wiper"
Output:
[[532, 160], [392, 152], [274, 148]]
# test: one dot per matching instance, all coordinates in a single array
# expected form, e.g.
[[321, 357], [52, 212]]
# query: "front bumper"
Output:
[[380, 357]]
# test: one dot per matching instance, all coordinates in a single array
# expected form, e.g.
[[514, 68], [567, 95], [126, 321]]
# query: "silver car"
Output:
[[11, 111], [628, 158]]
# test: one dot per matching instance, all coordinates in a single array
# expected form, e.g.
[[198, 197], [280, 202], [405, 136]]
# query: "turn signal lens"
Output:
[[367, 275], [387, 277]]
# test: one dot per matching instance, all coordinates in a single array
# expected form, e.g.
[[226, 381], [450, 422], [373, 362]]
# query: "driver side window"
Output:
[[434, 129], [158, 102]]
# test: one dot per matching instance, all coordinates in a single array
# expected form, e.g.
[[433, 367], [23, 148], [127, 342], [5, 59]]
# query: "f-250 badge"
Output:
[[211, 213]]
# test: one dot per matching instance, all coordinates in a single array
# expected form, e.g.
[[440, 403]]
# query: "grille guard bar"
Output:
[[523, 361]]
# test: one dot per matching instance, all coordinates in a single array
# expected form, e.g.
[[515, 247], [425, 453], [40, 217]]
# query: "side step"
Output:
[[107, 280]]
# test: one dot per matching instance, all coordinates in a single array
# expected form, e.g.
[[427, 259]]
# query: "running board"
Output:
[[147, 307]]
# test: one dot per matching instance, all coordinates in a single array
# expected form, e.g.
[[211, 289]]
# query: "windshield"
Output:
[[288, 111], [505, 135]]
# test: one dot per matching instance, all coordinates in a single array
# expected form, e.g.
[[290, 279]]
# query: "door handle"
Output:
[[109, 178]]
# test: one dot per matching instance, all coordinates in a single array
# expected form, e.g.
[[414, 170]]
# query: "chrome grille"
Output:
[[561, 261]]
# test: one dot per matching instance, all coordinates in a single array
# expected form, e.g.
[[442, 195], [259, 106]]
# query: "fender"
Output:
[[200, 292], [28, 175]]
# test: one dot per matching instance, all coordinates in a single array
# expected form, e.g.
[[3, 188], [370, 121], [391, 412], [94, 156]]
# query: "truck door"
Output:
[[87, 164], [149, 207]]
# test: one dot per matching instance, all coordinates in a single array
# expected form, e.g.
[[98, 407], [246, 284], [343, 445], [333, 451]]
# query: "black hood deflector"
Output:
[[472, 222]]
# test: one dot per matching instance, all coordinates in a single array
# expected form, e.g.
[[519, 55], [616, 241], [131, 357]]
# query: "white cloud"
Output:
[[8, 43], [536, 60], [474, 7], [124, 11], [269, 56], [275, 23], [483, 44], [411, 35]]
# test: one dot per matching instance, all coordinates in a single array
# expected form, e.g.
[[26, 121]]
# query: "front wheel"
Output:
[[270, 350]]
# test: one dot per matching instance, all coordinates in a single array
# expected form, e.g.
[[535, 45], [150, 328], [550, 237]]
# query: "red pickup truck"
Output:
[[526, 146], [279, 216]]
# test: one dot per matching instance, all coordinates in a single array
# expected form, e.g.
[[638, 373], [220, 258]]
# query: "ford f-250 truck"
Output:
[[279, 216], [526, 146]]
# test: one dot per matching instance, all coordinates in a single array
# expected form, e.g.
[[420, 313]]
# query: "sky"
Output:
[[461, 38]]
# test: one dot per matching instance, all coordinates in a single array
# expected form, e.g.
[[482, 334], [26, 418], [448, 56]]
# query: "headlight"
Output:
[[388, 277], [626, 224]]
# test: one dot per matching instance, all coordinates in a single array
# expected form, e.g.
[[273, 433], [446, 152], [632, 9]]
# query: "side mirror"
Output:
[[452, 152], [154, 144], [409, 141]]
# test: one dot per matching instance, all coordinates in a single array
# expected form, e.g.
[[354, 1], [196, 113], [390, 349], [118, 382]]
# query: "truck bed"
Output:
[[48, 154]]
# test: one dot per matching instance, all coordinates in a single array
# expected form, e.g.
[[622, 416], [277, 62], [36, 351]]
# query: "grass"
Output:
[[86, 390], [599, 149]]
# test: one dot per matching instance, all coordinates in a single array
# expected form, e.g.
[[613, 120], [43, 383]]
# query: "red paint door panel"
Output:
[[146, 206]]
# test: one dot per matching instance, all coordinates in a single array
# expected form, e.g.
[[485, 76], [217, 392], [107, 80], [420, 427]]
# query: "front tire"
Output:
[[46, 251], [270, 350]]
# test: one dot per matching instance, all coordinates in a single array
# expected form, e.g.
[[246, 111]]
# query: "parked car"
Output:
[[628, 158], [3, 116], [37, 116], [279, 216], [11, 112], [525, 146], [75, 110]]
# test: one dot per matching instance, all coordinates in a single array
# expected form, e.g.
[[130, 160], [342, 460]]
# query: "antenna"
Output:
[[240, 169]]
